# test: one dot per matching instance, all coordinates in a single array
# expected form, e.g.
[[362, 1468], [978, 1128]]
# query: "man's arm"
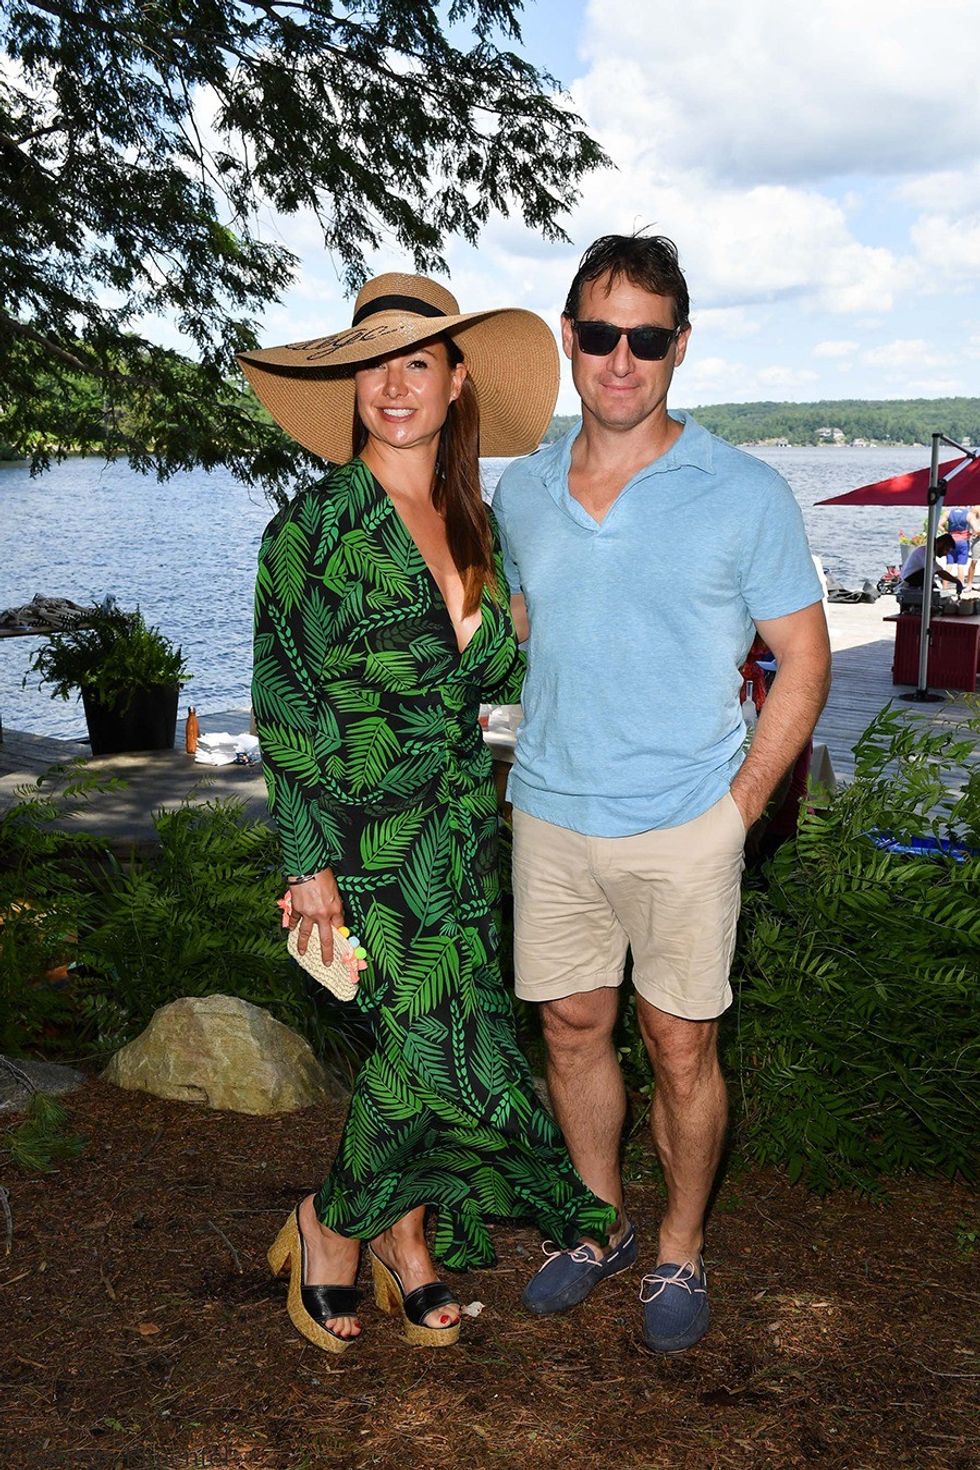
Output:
[[799, 692], [518, 609]]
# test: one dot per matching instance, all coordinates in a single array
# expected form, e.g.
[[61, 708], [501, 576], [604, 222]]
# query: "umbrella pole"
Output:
[[921, 694]]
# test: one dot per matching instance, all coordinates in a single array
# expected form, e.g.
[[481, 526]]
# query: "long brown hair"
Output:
[[456, 491]]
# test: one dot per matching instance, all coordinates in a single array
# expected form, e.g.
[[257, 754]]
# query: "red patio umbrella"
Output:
[[957, 482], [912, 488]]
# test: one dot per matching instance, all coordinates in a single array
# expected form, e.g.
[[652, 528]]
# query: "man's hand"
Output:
[[317, 902]]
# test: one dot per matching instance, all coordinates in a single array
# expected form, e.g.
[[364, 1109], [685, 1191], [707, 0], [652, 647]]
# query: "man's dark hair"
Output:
[[647, 261], [945, 539]]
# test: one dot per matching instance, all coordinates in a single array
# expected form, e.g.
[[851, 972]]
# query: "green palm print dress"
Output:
[[368, 718]]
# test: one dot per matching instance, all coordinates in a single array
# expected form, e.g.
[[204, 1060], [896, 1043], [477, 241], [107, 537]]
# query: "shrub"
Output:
[[196, 917], [855, 1034]]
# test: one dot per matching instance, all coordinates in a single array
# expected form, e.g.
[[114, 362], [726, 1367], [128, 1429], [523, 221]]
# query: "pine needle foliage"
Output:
[[42, 1141], [144, 150], [856, 1030]]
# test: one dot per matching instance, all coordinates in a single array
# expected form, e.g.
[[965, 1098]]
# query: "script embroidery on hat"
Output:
[[324, 346]]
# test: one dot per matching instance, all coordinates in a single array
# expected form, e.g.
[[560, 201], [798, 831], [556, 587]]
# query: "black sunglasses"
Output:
[[649, 344]]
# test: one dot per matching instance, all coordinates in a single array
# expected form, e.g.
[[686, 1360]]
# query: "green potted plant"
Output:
[[128, 675]]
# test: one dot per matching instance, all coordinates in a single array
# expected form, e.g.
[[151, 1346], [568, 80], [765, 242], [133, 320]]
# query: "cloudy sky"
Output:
[[817, 165]]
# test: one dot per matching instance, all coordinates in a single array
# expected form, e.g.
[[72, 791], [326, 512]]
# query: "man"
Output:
[[914, 565], [631, 799]]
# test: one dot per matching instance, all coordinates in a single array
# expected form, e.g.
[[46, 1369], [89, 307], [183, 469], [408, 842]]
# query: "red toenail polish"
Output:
[[444, 1320]]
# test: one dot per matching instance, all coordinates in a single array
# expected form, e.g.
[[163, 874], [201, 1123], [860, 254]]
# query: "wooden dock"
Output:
[[147, 781], [862, 647], [862, 682]]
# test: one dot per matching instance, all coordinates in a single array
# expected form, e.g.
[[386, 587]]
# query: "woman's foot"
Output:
[[331, 1260], [403, 1249]]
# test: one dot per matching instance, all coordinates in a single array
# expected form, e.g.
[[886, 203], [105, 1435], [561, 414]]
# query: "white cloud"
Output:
[[938, 190], [786, 377], [719, 379], [706, 374], [731, 322], [766, 91], [932, 387], [904, 352], [835, 349], [949, 245]]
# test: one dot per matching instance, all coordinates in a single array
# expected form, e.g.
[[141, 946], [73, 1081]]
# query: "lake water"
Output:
[[185, 552]]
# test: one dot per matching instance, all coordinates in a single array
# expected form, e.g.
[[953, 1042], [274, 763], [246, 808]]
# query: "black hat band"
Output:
[[396, 303]]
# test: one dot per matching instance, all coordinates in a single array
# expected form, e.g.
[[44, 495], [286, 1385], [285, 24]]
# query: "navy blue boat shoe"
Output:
[[675, 1306], [567, 1277]]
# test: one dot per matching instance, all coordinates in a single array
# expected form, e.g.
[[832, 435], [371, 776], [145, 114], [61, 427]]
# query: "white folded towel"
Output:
[[222, 749]]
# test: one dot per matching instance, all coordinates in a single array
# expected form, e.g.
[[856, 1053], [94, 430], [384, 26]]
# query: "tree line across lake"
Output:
[[883, 421], [879, 421]]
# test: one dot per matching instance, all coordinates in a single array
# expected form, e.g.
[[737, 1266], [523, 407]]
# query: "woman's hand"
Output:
[[317, 902]]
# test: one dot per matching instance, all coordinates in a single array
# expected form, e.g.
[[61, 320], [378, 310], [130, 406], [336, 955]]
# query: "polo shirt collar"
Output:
[[694, 448]]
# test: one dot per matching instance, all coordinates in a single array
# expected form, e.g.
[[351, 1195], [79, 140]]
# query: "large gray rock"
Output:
[[222, 1052], [21, 1077]]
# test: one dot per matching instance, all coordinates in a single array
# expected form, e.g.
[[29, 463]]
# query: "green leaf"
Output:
[[288, 557], [370, 748], [386, 844], [430, 972]]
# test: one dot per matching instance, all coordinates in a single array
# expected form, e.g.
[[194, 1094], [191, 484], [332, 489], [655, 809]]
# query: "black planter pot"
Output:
[[149, 723]]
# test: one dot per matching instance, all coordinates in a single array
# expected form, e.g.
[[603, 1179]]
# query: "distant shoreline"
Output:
[[847, 423]]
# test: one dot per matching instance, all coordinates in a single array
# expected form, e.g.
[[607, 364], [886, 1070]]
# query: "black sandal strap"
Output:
[[425, 1299], [324, 1302]]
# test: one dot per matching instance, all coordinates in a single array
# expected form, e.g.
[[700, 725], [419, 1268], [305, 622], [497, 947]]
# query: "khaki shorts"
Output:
[[671, 895]]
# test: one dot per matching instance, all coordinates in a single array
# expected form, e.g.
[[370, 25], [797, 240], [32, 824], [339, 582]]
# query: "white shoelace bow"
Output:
[[581, 1253], [684, 1276]]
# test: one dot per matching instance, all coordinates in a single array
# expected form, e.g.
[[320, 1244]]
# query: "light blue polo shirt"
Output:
[[639, 625]]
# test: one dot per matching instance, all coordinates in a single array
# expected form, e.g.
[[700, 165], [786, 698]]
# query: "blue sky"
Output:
[[817, 165]]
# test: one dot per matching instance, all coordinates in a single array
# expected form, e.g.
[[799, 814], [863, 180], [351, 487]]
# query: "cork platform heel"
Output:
[[413, 1308], [309, 1307]]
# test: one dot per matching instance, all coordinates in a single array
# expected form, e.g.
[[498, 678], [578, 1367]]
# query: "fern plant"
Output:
[[199, 917], [196, 917], [856, 1031], [112, 655]]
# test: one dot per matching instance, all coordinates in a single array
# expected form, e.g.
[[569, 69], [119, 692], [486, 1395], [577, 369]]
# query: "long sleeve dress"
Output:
[[367, 714]]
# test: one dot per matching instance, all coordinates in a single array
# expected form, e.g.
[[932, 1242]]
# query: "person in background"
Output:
[[956, 520], [914, 565], [630, 793], [382, 623], [973, 521]]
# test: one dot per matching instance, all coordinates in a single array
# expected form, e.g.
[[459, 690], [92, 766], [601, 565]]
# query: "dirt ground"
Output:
[[140, 1327]]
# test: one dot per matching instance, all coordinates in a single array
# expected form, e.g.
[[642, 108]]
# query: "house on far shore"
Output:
[[827, 435]]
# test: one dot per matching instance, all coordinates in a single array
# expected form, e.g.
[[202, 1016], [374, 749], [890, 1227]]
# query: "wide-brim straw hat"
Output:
[[510, 354]]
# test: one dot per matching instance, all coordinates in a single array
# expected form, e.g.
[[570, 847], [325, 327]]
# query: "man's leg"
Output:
[[569, 951], [677, 891], [689, 1119], [589, 1100], [586, 1087]]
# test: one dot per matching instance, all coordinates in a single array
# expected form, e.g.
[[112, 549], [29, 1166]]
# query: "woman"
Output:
[[382, 622]]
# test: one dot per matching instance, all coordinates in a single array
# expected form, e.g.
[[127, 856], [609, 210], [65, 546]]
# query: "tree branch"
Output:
[[21, 329]]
